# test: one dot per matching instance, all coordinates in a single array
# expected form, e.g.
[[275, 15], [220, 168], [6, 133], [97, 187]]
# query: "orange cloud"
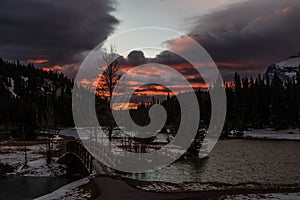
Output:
[[125, 106], [151, 93], [52, 68], [89, 83], [38, 61], [145, 92], [181, 44], [286, 10], [199, 85]]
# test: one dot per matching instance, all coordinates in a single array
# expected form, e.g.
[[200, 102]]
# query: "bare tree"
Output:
[[108, 80], [110, 75], [50, 126], [25, 148]]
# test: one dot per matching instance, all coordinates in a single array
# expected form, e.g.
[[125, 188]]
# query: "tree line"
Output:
[[33, 99], [263, 103], [251, 104]]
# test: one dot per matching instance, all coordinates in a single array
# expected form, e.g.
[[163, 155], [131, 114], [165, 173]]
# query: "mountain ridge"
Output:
[[287, 70]]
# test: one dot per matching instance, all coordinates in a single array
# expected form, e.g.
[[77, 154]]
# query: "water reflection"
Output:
[[237, 162]]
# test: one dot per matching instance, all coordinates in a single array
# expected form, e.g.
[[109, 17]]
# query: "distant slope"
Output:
[[287, 70], [33, 98], [291, 62]]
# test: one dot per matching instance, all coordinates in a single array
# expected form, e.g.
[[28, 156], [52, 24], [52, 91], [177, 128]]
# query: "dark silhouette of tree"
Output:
[[24, 93], [277, 103], [28, 92], [297, 88], [110, 75], [107, 82]]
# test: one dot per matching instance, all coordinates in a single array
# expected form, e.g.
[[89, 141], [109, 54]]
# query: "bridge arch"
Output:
[[77, 158]]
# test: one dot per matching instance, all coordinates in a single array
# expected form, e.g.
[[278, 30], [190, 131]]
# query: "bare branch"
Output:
[[110, 75]]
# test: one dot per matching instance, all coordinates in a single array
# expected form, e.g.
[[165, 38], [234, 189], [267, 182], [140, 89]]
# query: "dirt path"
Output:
[[114, 189], [111, 188]]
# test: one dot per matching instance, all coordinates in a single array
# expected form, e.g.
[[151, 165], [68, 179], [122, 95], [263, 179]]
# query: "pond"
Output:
[[23, 188], [237, 162]]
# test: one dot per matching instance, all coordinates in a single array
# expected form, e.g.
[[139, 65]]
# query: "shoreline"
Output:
[[206, 189], [117, 187], [218, 186], [106, 184], [260, 138]]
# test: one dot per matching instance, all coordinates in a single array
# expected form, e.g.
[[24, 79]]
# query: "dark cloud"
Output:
[[169, 58], [57, 30], [249, 36], [135, 58]]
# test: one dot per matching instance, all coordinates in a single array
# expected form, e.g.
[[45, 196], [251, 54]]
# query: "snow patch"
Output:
[[12, 87], [291, 62], [291, 134], [191, 187], [286, 196], [39, 168], [70, 191], [13, 155], [25, 79]]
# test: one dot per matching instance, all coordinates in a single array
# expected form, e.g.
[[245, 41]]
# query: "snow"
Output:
[[190, 187], [70, 191], [12, 154], [291, 134], [12, 87], [197, 187], [286, 70], [291, 62], [169, 187], [25, 79], [285, 196], [57, 138], [39, 168]]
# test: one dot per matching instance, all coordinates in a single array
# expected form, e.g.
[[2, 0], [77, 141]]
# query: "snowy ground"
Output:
[[12, 155], [287, 196], [69, 192], [195, 187], [183, 187], [291, 134]]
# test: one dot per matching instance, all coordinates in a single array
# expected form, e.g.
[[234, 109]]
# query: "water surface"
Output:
[[237, 162], [23, 188]]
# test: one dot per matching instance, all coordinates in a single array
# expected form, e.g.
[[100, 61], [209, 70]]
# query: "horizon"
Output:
[[235, 42], [149, 99]]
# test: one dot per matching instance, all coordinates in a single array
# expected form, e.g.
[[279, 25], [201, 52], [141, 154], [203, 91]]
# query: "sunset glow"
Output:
[[286, 10], [52, 68], [38, 61]]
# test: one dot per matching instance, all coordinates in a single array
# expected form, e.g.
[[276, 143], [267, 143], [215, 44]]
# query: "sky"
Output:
[[240, 35], [176, 15], [173, 14]]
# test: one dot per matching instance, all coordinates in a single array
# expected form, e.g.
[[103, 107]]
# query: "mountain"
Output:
[[287, 70], [33, 98]]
